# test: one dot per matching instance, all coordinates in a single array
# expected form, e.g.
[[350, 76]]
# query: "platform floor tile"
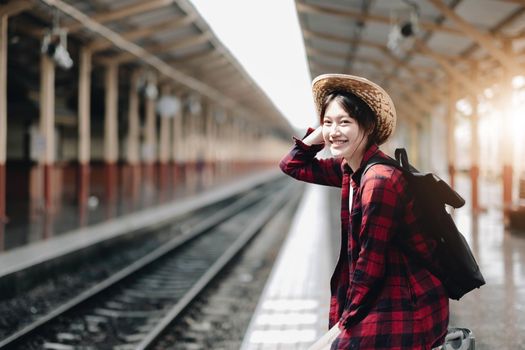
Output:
[[293, 310]]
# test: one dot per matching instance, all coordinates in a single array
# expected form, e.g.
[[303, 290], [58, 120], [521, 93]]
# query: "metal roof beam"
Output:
[[103, 44], [325, 10], [484, 40], [340, 39], [164, 47], [136, 8], [196, 58]]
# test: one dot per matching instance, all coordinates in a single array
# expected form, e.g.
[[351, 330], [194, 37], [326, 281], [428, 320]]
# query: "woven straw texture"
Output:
[[372, 94]]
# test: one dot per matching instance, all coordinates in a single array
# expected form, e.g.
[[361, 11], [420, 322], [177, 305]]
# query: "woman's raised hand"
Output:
[[315, 138]]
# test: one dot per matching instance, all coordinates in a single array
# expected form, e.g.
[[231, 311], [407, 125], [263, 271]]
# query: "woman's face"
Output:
[[342, 132]]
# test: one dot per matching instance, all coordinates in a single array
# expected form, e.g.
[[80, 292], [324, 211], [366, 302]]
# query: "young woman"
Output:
[[381, 297]]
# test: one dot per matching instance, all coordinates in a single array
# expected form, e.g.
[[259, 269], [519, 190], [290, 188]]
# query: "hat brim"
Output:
[[372, 94]]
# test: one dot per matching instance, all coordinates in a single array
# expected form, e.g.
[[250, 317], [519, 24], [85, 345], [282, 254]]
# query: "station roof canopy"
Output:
[[167, 36], [415, 48]]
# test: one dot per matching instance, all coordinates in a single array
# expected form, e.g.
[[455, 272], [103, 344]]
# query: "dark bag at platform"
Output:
[[453, 261]]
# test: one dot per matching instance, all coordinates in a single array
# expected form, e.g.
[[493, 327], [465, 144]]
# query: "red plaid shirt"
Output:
[[382, 298]]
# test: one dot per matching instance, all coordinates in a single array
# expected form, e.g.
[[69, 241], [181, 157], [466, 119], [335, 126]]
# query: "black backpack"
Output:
[[453, 262]]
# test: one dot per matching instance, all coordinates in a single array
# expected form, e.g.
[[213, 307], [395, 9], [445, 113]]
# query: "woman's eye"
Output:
[[327, 122], [345, 122]]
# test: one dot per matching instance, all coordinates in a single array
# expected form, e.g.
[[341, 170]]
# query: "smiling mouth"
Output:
[[338, 142]]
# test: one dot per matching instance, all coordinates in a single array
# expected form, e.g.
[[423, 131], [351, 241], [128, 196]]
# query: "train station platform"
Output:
[[30, 258], [293, 310]]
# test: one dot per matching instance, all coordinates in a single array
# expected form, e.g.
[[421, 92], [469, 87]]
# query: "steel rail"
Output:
[[248, 233], [171, 245]]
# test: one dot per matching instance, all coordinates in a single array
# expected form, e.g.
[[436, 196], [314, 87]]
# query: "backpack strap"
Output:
[[402, 158], [379, 160], [401, 162]]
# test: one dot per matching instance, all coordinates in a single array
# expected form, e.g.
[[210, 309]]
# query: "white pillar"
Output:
[[47, 108], [111, 115], [150, 140], [164, 142], [84, 108], [177, 135], [132, 153]]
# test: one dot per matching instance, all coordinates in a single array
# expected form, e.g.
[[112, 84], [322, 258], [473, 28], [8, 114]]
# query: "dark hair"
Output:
[[356, 108]]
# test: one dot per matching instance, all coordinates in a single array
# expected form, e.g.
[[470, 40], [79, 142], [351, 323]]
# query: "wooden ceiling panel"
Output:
[[370, 51], [174, 35], [391, 7], [191, 51], [377, 32], [448, 44], [331, 24], [516, 27], [484, 14], [151, 18], [321, 44], [328, 60]]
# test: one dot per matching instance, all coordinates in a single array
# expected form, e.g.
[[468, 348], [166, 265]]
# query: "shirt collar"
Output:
[[369, 153]]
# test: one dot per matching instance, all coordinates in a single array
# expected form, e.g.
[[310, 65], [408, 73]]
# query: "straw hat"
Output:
[[372, 94]]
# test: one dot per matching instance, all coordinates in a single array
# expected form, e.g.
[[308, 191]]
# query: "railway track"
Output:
[[130, 309]]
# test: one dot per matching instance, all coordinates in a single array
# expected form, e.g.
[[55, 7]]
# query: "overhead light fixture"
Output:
[[168, 106], [151, 90], [54, 45], [405, 27], [145, 85], [194, 104]]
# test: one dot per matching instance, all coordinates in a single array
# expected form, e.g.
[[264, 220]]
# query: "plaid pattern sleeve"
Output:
[[381, 209], [301, 164]]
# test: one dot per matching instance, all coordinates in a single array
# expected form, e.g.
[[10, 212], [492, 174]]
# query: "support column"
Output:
[[176, 144], [3, 122], [164, 143], [451, 126], [192, 133], [210, 142], [133, 145], [47, 125], [237, 146], [132, 153], [84, 133], [150, 139], [184, 146], [506, 141], [150, 143], [229, 138], [191, 142], [84, 107], [111, 138], [111, 115], [474, 148], [221, 146], [164, 149]]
